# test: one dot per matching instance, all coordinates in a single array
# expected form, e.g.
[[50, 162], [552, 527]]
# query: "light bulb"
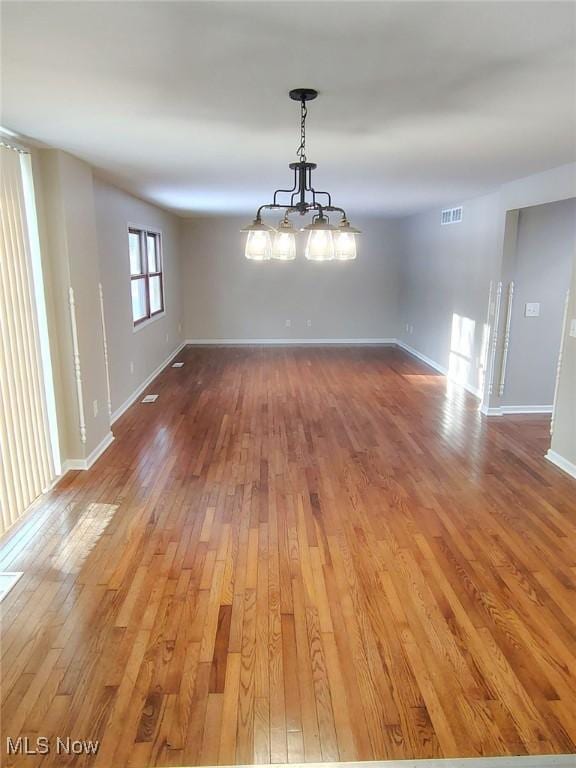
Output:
[[258, 245], [284, 246], [320, 245], [344, 246]]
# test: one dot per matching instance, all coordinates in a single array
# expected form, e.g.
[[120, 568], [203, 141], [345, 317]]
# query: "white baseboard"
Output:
[[561, 462], [510, 410], [287, 342], [423, 357], [137, 392], [89, 460], [437, 367], [487, 411]]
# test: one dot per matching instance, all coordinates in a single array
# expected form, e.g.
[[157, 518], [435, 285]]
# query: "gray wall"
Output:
[[151, 344], [65, 200], [228, 297], [546, 243], [83, 225], [564, 436], [444, 286]]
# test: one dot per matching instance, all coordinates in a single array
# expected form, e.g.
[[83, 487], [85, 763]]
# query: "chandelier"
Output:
[[325, 241]]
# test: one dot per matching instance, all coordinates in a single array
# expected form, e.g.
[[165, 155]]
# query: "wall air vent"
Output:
[[451, 215]]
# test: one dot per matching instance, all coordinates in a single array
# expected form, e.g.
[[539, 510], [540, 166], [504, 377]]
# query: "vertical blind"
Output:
[[26, 463]]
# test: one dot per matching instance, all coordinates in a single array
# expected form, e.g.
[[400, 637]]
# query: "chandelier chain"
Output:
[[301, 151]]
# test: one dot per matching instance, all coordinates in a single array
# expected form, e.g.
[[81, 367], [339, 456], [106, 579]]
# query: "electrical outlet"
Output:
[[309, 323], [532, 309], [288, 323], [95, 408], [131, 366], [573, 328]]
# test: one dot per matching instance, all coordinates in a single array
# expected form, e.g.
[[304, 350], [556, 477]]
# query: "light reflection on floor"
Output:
[[82, 539]]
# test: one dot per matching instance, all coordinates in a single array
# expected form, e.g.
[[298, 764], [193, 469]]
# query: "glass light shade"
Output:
[[344, 246], [258, 245], [320, 245], [284, 244]]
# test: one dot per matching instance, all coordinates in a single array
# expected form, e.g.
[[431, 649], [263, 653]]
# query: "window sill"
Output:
[[149, 321]]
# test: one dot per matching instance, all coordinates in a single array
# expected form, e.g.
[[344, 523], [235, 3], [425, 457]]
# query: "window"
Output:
[[146, 274]]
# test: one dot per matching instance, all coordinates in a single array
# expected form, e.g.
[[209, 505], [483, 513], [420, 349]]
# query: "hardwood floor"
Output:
[[298, 554]]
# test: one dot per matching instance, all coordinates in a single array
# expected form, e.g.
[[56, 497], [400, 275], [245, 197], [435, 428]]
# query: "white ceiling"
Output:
[[186, 103]]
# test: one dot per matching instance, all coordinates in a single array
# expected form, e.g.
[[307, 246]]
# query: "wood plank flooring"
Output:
[[298, 555]]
